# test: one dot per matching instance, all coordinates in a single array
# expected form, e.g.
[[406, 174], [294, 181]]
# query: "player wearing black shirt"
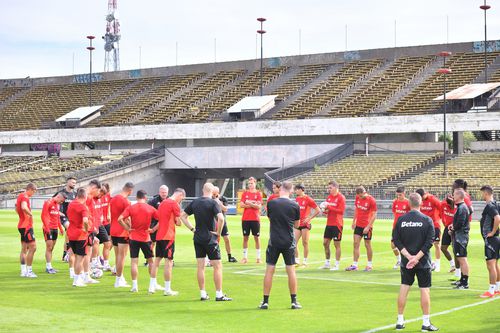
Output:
[[413, 236], [490, 221], [222, 201], [284, 216], [460, 229], [209, 222]]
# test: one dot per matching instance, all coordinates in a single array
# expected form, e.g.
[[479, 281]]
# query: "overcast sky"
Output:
[[41, 38]]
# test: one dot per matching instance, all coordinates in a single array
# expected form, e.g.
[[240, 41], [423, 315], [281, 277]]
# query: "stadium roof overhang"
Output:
[[301, 128], [469, 91]]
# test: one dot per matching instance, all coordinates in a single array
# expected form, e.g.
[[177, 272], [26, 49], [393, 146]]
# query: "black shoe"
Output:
[[296, 306], [206, 298], [263, 306], [430, 328], [232, 259], [456, 283], [146, 264], [223, 299], [461, 286], [400, 327]]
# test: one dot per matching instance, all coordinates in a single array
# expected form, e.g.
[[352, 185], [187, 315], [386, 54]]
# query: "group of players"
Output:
[[91, 217]]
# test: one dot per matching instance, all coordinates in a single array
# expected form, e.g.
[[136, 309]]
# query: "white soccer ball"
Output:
[[323, 206], [96, 273]]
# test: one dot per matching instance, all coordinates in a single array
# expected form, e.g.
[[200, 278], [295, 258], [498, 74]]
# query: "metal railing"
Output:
[[308, 165]]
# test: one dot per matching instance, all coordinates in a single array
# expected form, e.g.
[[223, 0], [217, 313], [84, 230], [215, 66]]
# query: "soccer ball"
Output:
[[323, 206], [96, 273]]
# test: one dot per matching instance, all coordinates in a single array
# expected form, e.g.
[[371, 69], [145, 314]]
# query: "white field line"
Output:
[[381, 328]]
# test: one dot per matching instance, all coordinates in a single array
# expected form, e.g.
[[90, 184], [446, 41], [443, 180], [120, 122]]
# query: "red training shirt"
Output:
[[75, 214], [25, 221], [399, 208], [335, 211], [51, 215], [167, 212], [140, 219], [306, 203], [105, 208], [118, 204], [447, 213], [364, 208], [431, 206], [251, 214]]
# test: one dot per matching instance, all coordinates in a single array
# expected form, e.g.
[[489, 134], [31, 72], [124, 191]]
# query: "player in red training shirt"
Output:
[[25, 228], [51, 220], [251, 202], [365, 213], [94, 207], [78, 235], [448, 210], [306, 204], [431, 206], [104, 234], [276, 192], [169, 213], [119, 235], [333, 207], [139, 230], [400, 206]]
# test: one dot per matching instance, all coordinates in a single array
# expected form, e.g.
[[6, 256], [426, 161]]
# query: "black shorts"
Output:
[[102, 235], [437, 235], [492, 248], [359, 231], [250, 226], [424, 276], [333, 232], [78, 247], [224, 232], [153, 235], [165, 249], [460, 250], [119, 240], [212, 251], [108, 229], [27, 236], [51, 235], [273, 254], [306, 226], [446, 238], [145, 247]]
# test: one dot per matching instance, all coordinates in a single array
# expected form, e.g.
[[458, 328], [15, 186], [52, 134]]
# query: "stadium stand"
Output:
[[353, 171]]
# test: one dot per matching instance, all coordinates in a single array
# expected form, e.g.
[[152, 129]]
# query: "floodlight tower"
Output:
[[112, 38]]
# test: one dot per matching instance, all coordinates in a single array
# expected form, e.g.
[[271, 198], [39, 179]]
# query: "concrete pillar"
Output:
[[198, 184], [458, 143]]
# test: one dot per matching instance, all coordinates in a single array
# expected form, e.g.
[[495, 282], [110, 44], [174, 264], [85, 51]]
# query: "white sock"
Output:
[[458, 273], [337, 262], [71, 271], [426, 320], [118, 279], [297, 260], [401, 319], [245, 254], [29, 269], [86, 276], [399, 258], [203, 294], [219, 293], [304, 260], [438, 263], [492, 288], [23, 269], [48, 265], [76, 278], [369, 264], [167, 285], [258, 253], [82, 276], [152, 282], [498, 285], [355, 263], [122, 278], [452, 263], [94, 260], [106, 263], [134, 284], [327, 262]]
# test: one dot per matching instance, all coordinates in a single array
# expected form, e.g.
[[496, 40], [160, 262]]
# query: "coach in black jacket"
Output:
[[413, 236], [460, 229]]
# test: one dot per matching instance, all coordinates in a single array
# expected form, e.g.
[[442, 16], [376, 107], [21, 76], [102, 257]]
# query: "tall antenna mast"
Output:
[[112, 39]]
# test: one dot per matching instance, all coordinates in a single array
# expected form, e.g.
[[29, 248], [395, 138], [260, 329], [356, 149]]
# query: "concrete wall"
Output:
[[288, 129], [485, 146]]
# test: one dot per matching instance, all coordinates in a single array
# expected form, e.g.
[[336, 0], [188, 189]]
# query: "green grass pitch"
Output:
[[333, 301]]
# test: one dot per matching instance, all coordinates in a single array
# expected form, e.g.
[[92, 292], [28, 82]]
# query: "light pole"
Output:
[[444, 71], [485, 7], [90, 48], [261, 31]]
